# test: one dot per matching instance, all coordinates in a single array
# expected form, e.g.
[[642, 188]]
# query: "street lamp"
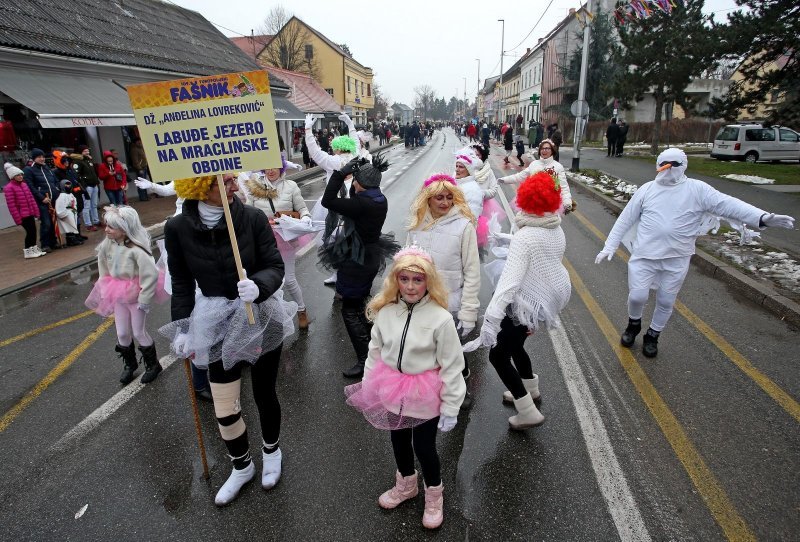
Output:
[[502, 50], [455, 109], [465, 98], [477, 92]]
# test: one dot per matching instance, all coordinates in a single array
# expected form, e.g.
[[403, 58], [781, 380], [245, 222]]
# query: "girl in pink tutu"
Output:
[[412, 382], [126, 288]]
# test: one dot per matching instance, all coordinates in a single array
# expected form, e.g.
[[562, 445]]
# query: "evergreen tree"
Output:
[[767, 38], [601, 72], [662, 53]]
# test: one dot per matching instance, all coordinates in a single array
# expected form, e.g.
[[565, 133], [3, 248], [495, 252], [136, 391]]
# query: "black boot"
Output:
[[128, 355], [151, 364], [356, 371], [630, 333], [650, 343], [358, 329]]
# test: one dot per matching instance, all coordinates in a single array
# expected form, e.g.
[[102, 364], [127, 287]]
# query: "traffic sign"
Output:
[[579, 108]]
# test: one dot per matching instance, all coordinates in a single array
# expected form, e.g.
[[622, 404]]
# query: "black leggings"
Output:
[[422, 441], [264, 375], [29, 223], [511, 344]]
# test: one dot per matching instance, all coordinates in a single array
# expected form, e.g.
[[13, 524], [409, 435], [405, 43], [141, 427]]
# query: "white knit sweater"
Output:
[[487, 181], [534, 281]]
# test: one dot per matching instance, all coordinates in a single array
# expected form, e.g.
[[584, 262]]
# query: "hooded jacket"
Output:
[[113, 177], [41, 181], [84, 167], [20, 201], [204, 256]]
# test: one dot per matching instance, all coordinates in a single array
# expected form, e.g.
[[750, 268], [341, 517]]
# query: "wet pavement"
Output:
[[609, 463]]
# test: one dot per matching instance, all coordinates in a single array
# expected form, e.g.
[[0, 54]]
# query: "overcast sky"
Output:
[[416, 41]]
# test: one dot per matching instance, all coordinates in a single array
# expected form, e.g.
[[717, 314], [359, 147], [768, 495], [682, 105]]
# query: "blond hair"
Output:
[[194, 187], [390, 292], [420, 205]]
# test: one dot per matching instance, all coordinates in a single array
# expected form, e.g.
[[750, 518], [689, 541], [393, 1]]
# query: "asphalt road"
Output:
[[698, 444]]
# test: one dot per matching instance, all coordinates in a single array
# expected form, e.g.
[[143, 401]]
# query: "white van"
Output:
[[753, 142]]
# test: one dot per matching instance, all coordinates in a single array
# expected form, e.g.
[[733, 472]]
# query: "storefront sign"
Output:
[[207, 125]]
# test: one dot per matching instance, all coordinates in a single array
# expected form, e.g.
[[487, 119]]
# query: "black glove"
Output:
[[351, 167]]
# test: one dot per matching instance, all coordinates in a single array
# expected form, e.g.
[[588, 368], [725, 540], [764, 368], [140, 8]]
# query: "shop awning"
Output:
[[285, 110], [69, 101]]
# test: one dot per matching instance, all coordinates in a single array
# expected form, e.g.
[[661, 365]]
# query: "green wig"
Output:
[[344, 144]]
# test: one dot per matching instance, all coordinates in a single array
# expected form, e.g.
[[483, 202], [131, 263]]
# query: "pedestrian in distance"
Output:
[[520, 150], [412, 396], [622, 137], [65, 172], [114, 179], [84, 167], [211, 327], [44, 186], [66, 207], [126, 288], [23, 208], [532, 134], [667, 215], [612, 136], [508, 143], [548, 164], [557, 140], [276, 196], [359, 251], [533, 288]]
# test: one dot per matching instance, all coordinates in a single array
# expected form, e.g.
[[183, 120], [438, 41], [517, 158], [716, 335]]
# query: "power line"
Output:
[[212, 22], [534, 27]]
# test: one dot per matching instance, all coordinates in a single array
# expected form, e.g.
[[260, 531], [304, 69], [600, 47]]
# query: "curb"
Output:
[[763, 295]]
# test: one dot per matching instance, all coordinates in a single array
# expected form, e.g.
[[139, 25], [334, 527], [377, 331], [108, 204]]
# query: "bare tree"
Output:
[[291, 46], [381, 107], [424, 98]]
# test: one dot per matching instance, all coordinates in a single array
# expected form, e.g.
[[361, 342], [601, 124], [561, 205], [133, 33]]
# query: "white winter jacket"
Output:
[[551, 166], [328, 162], [129, 262], [66, 206], [416, 338], [288, 196], [453, 244], [671, 217], [472, 193]]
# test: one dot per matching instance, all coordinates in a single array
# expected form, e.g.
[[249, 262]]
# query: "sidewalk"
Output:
[[17, 273]]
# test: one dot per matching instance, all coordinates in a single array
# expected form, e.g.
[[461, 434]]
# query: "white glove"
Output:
[[292, 165], [179, 345], [465, 328], [446, 423], [771, 220], [345, 118], [248, 290], [606, 253], [488, 336], [306, 220], [144, 307], [144, 184], [309, 121]]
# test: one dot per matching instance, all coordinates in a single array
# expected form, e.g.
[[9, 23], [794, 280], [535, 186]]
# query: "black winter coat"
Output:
[[42, 181], [508, 139], [205, 255], [368, 209]]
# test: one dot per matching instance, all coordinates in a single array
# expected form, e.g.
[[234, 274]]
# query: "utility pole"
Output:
[[502, 51], [576, 155], [465, 98], [478, 92]]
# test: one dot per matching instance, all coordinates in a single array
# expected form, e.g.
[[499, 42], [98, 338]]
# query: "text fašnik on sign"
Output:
[[206, 125]]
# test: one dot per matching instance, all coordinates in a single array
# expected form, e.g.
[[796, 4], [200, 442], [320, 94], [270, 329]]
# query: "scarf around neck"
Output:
[[549, 221]]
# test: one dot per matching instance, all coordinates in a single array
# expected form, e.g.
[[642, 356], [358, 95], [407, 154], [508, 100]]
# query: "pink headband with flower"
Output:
[[464, 158], [413, 250], [440, 177]]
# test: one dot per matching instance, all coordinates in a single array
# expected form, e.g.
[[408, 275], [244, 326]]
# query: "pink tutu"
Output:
[[108, 291], [490, 207], [482, 231], [291, 247], [390, 400]]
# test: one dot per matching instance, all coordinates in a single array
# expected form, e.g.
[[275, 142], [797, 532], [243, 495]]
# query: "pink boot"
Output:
[[405, 487], [434, 504]]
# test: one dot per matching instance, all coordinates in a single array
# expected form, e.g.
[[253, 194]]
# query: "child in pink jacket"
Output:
[[23, 209]]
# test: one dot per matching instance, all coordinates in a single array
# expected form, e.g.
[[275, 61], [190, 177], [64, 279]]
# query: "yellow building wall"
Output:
[[360, 83]]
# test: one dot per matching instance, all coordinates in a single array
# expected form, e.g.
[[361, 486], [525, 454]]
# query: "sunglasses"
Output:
[[673, 163]]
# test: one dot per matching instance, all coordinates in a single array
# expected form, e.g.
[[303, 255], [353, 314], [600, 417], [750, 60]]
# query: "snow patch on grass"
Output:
[[777, 267], [752, 179]]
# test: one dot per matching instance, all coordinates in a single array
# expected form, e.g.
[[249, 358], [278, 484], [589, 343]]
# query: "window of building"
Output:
[[329, 91], [309, 52], [369, 89], [362, 88], [348, 84], [284, 55]]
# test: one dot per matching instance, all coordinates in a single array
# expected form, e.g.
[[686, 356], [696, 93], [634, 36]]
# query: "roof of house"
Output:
[[305, 93], [321, 36], [401, 107], [145, 33], [252, 45], [488, 86]]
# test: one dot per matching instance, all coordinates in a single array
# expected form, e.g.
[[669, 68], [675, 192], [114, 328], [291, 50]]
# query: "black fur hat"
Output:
[[368, 174]]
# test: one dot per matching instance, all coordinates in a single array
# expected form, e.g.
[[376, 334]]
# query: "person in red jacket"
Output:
[[23, 209], [472, 132], [113, 176]]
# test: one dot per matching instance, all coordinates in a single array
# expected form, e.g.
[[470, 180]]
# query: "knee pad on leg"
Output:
[[228, 409]]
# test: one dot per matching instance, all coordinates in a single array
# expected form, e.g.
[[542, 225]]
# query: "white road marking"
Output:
[[607, 470], [104, 411]]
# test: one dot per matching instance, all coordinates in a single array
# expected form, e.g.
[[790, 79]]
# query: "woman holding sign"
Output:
[[211, 327]]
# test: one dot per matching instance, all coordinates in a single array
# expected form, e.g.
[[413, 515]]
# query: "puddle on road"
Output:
[[49, 289]]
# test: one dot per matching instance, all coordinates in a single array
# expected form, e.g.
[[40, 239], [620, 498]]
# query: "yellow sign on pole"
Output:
[[206, 125]]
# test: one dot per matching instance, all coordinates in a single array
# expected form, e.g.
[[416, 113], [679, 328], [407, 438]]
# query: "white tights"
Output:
[[637, 299], [666, 276], [130, 321], [290, 279]]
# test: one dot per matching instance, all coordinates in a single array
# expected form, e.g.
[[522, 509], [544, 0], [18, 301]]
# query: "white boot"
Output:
[[230, 489], [331, 280], [531, 385], [271, 470], [527, 414]]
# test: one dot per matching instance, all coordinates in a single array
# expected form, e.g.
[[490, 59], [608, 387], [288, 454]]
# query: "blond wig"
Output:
[[409, 259], [430, 189], [194, 187]]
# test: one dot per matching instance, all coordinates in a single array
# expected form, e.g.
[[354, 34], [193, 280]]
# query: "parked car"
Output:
[[754, 142]]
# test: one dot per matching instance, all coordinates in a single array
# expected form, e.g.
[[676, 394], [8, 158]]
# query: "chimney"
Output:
[[527, 50], [540, 41]]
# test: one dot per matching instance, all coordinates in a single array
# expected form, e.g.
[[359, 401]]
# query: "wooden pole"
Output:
[[197, 425], [234, 244]]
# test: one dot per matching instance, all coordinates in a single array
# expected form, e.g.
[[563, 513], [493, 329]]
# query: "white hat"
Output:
[[12, 170], [467, 158]]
